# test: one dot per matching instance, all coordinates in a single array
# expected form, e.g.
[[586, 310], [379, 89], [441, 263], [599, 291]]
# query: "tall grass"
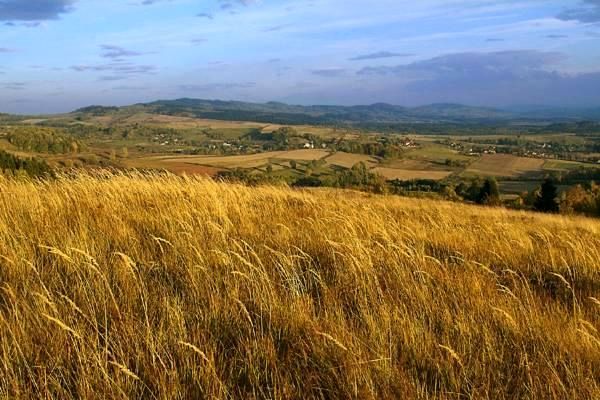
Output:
[[131, 286]]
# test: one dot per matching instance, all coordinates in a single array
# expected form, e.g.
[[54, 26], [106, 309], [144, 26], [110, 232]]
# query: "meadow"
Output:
[[504, 165], [158, 287]]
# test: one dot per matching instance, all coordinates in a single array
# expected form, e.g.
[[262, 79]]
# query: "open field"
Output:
[[304, 155], [410, 174], [518, 187], [563, 165], [177, 166], [247, 160], [348, 160], [242, 161], [505, 165], [162, 287], [177, 122], [415, 165], [436, 153]]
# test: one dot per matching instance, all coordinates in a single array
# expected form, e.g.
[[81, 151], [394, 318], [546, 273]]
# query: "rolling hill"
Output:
[[367, 115]]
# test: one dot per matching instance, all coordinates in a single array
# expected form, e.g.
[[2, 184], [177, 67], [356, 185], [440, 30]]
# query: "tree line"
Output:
[[42, 140], [15, 166]]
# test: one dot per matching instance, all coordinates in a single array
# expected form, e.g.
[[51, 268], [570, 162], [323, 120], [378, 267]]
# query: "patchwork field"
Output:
[[504, 165], [407, 174], [498, 165], [177, 166], [517, 187], [145, 140], [304, 155], [348, 160], [436, 153], [562, 165], [242, 161], [238, 161]]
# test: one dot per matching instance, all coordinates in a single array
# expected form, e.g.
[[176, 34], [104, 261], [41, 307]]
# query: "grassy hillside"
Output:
[[165, 287]]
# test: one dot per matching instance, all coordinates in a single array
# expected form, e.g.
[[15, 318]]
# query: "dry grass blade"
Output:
[[125, 370], [452, 353], [195, 349], [332, 340], [62, 325], [209, 290]]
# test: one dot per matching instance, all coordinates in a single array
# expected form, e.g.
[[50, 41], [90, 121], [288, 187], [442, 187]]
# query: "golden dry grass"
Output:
[[162, 287]]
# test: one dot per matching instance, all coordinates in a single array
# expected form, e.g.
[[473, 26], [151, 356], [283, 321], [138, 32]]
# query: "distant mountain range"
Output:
[[380, 113]]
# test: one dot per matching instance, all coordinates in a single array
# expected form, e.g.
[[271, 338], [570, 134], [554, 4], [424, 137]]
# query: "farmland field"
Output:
[[304, 155], [435, 152], [348, 160], [241, 161], [562, 165], [407, 174], [505, 165], [177, 166], [237, 161]]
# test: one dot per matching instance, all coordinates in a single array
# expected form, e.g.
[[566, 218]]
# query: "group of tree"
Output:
[[581, 199], [486, 192], [32, 167], [385, 149], [576, 198], [42, 140], [359, 177]]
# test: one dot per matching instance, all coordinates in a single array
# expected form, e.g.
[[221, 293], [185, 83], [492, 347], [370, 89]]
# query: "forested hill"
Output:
[[368, 115]]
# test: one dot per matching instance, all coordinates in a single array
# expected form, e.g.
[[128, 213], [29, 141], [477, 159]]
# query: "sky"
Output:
[[59, 55]]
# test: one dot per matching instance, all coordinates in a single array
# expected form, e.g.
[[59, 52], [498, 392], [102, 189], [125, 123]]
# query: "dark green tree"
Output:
[[490, 192], [547, 199], [473, 192]]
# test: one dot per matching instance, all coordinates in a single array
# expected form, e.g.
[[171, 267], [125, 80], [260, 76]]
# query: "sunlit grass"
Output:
[[136, 286]]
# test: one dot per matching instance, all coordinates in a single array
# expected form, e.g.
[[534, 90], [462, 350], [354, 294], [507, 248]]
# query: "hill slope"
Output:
[[364, 115], [161, 287], [273, 112]]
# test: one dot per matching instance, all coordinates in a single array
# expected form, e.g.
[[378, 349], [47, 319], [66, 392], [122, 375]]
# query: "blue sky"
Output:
[[57, 55]]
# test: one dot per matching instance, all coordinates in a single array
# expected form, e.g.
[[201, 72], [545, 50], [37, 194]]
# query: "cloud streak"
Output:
[[117, 71], [380, 54], [329, 72], [34, 10], [587, 12], [117, 52]]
